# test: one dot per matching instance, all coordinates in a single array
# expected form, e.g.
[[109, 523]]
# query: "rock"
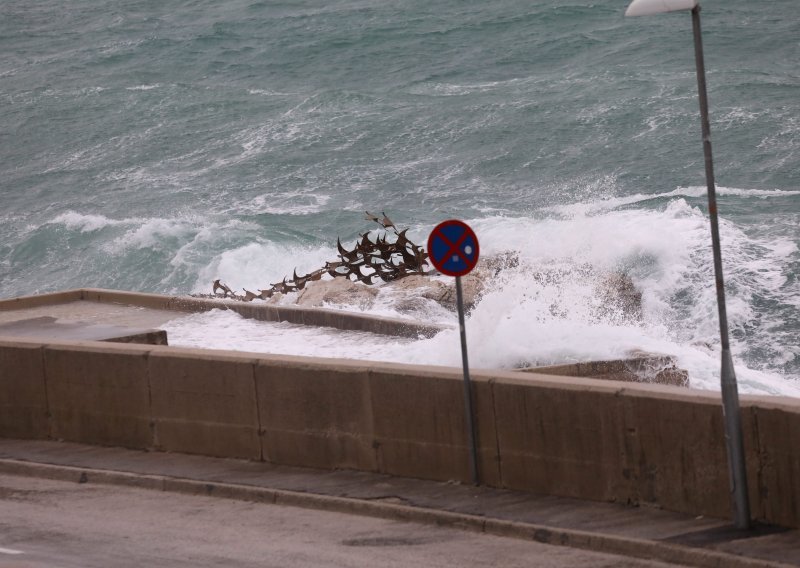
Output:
[[337, 291], [499, 262], [472, 286], [656, 368], [617, 292], [411, 306]]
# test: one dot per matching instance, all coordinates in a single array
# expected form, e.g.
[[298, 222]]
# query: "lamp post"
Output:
[[730, 393]]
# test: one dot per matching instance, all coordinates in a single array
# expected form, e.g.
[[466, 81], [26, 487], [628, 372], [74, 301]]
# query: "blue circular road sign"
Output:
[[453, 248]]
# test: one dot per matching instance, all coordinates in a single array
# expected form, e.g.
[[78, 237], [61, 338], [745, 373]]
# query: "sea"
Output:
[[156, 146]]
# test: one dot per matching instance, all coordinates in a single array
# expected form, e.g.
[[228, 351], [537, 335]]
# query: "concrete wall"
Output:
[[25, 302], [583, 438], [258, 310], [98, 394], [656, 369], [773, 428], [23, 395], [316, 413], [204, 404]]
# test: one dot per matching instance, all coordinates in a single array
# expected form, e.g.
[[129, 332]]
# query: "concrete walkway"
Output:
[[48, 523], [603, 527]]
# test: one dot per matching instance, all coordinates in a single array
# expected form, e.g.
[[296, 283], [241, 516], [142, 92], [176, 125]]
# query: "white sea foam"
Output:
[[700, 191], [451, 89], [550, 308], [153, 232], [268, 93], [593, 206], [737, 116], [231, 331], [258, 265], [86, 223], [286, 203], [136, 233]]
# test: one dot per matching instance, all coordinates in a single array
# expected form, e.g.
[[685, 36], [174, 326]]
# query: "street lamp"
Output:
[[730, 393]]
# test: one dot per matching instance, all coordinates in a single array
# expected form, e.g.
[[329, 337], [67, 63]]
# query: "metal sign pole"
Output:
[[454, 251], [467, 386]]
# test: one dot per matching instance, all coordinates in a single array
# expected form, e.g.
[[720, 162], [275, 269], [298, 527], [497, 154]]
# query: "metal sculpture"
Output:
[[387, 258]]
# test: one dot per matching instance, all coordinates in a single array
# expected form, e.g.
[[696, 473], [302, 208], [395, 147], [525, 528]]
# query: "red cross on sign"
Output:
[[453, 248]]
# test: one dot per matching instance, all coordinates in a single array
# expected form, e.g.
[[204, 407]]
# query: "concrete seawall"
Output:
[[583, 438], [320, 317]]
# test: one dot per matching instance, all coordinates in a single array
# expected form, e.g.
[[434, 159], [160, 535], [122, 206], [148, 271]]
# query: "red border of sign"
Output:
[[468, 232]]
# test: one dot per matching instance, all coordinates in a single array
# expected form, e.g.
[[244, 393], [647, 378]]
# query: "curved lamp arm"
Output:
[[649, 7]]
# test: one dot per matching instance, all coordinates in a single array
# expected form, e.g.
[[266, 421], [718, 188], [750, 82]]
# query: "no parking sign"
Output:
[[453, 249]]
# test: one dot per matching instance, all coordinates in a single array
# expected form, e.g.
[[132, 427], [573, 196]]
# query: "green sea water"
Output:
[[155, 146]]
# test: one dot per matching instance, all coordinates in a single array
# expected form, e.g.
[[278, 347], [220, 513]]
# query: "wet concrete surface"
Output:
[[76, 330], [95, 313]]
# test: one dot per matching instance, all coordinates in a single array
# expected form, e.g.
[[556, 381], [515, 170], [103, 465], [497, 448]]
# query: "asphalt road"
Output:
[[46, 523]]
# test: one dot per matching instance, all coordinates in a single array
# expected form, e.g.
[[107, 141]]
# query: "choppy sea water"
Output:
[[156, 146]]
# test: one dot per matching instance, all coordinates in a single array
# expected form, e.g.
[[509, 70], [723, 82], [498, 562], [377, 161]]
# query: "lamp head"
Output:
[[649, 7]]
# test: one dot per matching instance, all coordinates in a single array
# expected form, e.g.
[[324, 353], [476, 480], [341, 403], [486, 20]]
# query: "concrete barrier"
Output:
[[773, 426], [319, 317], [678, 452], [204, 403], [643, 444], [420, 425], [562, 437], [25, 302], [658, 369], [316, 413], [23, 396], [98, 393], [152, 301], [602, 440]]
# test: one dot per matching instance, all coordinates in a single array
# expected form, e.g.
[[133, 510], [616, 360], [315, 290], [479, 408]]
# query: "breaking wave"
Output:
[[551, 308]]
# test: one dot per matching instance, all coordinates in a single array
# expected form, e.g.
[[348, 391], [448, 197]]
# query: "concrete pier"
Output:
[[135, 306], [50, 327]]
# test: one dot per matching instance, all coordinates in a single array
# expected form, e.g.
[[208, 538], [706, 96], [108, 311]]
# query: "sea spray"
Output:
[[554, 307]]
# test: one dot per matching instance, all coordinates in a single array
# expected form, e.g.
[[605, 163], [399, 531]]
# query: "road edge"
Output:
[[584, 540]]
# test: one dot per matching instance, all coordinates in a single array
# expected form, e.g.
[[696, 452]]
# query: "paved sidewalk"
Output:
[[603, 527]]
